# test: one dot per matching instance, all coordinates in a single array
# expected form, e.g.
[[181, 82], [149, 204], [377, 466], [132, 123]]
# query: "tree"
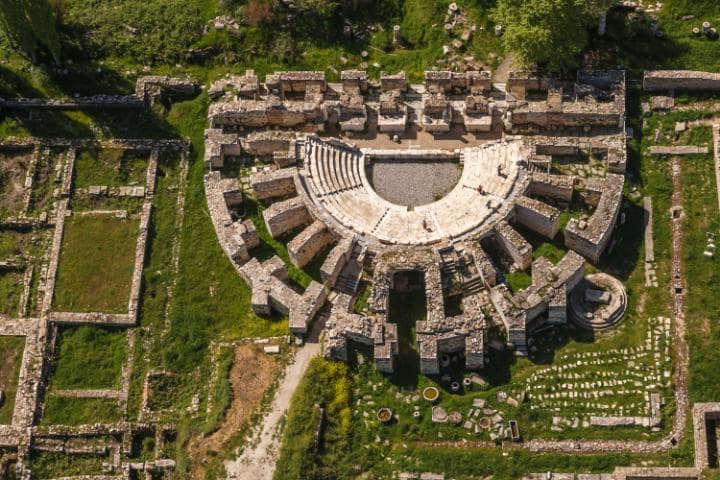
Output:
[[551, 33], [30, 25]]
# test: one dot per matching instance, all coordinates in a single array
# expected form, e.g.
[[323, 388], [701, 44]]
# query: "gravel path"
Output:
[[413, 183], [257, 462]]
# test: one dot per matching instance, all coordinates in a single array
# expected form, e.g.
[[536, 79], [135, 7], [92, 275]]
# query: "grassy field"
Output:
[[11, 286], [11, 352], [111, 167], [79, 411], [52, 464], [88, 357], [97, 258]]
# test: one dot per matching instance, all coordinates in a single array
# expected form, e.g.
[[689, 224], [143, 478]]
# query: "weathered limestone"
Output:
[[537, 216], [678, 150], [270, 291], [236, 237], [246, 85], [689, 80], [591, 237], [393, 113], [151, 88], [706, 419], [513, 244], [344, 326], [218, 145], [336, 260], [276, 183], [352, 112], [281, 217], [597, 99], [551, 186], [308, 243]]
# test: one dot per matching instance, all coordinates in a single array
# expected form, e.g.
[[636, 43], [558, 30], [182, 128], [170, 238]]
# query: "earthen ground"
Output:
[[13, 168], [250, 376], [11, 350]]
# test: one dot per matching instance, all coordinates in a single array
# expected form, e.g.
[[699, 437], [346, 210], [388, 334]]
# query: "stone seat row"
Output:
[[333, 169]]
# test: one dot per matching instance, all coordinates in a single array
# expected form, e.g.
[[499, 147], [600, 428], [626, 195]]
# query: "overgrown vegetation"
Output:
[[79, 411], [88, 357], [11, 353]]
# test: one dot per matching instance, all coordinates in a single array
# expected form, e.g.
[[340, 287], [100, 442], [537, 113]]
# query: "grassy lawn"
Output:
[[79, 411], [11, 352], [110, 166], [80, 347], [96, 264], [55, 464], [11, 287]]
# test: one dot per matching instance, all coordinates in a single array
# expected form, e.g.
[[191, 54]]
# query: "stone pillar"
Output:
[[397, 38], [602, 24]]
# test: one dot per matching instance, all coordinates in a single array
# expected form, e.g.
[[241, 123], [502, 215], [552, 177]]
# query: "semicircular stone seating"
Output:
[[340, 187]]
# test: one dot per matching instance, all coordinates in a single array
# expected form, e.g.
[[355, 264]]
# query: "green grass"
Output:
[[54, 464], [11, 353], [88, 357], [297, 459], [79, 411], [110, 166], [405, 310], [517, 281], [97, 258], [11, 287]]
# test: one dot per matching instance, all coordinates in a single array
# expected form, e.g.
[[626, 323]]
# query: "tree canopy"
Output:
[[551, 33], [31, 27]]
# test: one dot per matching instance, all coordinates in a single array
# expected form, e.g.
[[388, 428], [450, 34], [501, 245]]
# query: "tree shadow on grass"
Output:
[[35, 122]]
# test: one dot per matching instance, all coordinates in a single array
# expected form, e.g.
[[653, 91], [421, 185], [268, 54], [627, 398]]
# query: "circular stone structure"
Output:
[[337, 186], [598, 302], [431, 394], [384, 415]]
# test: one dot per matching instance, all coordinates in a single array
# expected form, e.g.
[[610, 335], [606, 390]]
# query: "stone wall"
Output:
[[537, 216], [659, 80], [591, 237], [304, 247], [513, 244], [277, 183], [336, 260], [551, 186], [283, 216]]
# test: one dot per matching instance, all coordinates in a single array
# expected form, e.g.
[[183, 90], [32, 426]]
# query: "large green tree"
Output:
[[551, 33], [30, 26]]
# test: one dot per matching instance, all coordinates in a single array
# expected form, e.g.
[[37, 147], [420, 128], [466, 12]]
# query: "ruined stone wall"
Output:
[[283, 216], [659, 80], [304, 247], [277, 183], [537, 216], [514, 244], [336, 260], [551, 186], [591, 237]]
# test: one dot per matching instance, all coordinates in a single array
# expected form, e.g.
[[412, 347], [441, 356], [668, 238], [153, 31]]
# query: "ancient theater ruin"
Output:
[[444, 184]]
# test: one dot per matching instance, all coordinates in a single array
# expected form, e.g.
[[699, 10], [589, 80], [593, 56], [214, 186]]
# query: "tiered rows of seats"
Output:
[[342, 189]]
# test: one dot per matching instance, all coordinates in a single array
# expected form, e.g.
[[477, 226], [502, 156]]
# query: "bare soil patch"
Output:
[[251, 374], [13, 169]]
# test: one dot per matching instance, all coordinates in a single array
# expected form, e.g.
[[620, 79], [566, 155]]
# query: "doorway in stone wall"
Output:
[[407, 305]]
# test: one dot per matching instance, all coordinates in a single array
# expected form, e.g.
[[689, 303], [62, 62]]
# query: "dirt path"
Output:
[[509, 64], [257, 461], [251, 374]]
